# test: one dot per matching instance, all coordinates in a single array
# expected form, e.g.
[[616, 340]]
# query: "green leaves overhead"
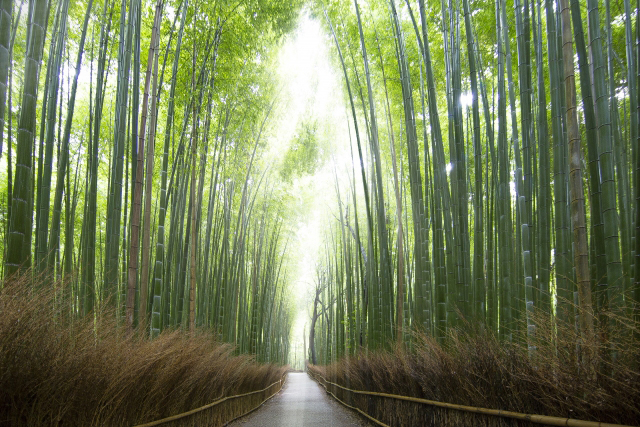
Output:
[[306, 152]]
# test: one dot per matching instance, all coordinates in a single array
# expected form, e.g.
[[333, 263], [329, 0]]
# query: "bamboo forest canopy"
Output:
[[148, 191], [478, 167]]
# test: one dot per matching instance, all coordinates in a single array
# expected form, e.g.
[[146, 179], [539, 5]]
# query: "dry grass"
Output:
[[59, 371], [476, 370]]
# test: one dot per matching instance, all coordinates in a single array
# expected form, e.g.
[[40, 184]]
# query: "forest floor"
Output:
[[302, 402]]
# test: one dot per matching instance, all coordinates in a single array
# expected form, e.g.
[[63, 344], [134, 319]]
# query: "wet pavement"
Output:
[[301, 403]]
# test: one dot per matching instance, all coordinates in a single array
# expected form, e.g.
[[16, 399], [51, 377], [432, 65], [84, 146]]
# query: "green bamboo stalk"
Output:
[[134, 247], [47, 134], [505, 241], [95, 119], [193, 207], [400, 277], [478, 242], [205, 282], [600, 281], [543, 294], [370, 268], [114, 204], [442, 262], [45, 152], [384, 280], [6, 15], [415, 306], [578, 214], [490, 185], [524, 170], [518, 266], [19, 239], [632, 85], [619, 154], [561, 240], [224, 264], [148, 189], [459, 163], [182, 255], [159, 284], [362, 168], [71, 205], [422, 285], [213, 195], [133, 137], [605, 155], [9, 168], [64, 149]]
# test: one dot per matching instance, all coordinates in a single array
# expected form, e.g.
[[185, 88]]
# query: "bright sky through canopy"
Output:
[[311, 90]]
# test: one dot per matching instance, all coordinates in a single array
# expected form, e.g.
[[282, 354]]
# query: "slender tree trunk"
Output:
[[160, 284], [146, 231], [442, 260], [114, 203], [422, 283], [576, 191], [478, 242], [6, 12], [607, 172], [19, 241], [544, 186], [64, 149], [137, 202], [384, 276], [193, 208]]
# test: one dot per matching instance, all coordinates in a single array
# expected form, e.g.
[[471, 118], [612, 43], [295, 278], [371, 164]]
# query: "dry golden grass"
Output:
[[474, 369], [56, 370]]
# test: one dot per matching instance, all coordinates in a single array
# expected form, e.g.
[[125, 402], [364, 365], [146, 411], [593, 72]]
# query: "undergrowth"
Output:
[[60, 370], [475, 369]]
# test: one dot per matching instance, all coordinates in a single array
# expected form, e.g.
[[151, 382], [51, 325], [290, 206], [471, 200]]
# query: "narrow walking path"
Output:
[[301, 403]]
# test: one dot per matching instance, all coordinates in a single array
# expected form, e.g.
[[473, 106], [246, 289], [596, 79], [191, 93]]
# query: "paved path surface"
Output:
[[301, 403]]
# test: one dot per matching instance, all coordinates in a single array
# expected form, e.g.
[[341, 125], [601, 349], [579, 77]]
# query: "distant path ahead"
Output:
[[301, 403]]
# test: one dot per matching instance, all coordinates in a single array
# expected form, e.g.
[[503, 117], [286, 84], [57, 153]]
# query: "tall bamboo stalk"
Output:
[[6, 14], [160, 285], [384, 278], [19, 240], [578, 215], [64, 149], [132, 275], [422, 284]]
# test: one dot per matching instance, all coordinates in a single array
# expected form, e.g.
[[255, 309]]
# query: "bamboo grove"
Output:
[[133, 134], [494, 181]]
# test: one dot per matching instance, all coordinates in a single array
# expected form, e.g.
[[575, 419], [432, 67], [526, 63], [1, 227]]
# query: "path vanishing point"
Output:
[[301, 403]]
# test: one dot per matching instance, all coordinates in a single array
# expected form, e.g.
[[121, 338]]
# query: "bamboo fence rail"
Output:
[[166, 420], [536, 419]]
